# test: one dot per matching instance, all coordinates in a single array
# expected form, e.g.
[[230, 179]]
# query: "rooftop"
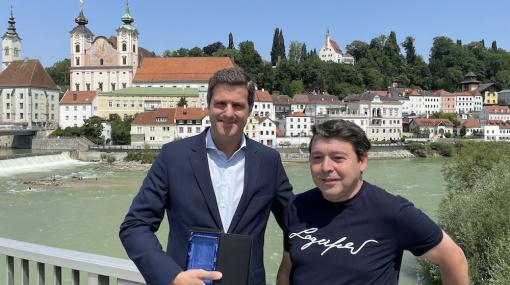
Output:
[[26, 73], [153, 91], [78, 97]]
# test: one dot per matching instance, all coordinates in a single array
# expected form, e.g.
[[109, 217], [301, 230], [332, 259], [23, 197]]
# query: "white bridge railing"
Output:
[[99, 270]]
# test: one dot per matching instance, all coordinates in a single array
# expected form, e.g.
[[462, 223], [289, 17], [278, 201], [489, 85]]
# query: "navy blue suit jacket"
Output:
[[179, 183]]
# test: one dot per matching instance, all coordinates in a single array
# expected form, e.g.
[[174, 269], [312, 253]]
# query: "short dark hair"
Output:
[[232, 76], [345, 131]]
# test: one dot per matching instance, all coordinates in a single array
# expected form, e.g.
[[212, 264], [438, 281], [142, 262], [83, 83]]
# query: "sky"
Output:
[[44, 25]]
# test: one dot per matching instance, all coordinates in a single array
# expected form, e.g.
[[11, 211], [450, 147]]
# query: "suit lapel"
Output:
[[251, 169], [201, 170]]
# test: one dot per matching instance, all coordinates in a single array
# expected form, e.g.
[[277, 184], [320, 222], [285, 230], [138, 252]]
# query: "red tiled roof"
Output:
[[501, 124], [300, 99], [263, 96], [471, 124], [281, 99], [497, 109], [190, 113], [335, 46], [78, 97], [378, 92], [149, 118], [442, 92], [432, 122], [178, 69], [26, 73], [414, 93]]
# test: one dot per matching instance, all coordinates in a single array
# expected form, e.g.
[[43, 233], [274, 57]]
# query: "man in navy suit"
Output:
[[219, 180]]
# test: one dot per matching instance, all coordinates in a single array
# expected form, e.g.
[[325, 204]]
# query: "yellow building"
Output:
[[135, 100]]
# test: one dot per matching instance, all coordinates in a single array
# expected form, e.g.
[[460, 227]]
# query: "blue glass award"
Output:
[[202, 251]]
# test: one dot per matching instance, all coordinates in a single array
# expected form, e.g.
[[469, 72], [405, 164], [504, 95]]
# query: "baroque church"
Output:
[[104, 64]]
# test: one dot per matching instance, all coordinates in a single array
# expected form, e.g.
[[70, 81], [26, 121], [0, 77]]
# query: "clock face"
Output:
[[77, 36]]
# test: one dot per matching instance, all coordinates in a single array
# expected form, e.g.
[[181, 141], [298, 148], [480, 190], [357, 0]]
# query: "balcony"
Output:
[[95, 269]]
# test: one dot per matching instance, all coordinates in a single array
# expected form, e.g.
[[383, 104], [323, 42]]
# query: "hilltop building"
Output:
[[330, 51]]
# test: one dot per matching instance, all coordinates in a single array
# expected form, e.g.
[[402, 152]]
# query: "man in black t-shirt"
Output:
[[347, 231]]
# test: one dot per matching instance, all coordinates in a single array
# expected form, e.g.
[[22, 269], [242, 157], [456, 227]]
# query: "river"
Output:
[[84, 212]]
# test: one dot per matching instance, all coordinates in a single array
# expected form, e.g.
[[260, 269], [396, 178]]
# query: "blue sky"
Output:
[[44, 25]]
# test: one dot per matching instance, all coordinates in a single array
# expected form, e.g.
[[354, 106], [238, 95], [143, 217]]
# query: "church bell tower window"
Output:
[[6, 51], [124, 46], [77, 48], [101, 61]]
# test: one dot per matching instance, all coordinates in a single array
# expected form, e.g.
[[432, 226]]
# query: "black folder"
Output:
[[228, 253]]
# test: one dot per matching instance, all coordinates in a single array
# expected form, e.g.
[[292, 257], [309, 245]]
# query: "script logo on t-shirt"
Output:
[[339, 244]]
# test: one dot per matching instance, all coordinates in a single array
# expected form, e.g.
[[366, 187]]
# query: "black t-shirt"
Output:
[[359, 241]]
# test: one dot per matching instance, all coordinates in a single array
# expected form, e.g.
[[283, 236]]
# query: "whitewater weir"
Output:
[[42, 264]]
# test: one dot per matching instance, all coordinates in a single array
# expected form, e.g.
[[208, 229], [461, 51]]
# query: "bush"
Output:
[[143, 156], [475, 211]]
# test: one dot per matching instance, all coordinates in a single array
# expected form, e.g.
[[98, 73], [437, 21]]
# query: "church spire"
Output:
[[127, 19], [11, 29], [81, 20]]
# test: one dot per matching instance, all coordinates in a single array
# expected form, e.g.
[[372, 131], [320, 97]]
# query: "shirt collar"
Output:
[[209, 143]]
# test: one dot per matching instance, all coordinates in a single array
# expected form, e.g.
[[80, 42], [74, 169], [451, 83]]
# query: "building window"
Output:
[[8, 106], [21, 106], [16, 52], [6, 51], [88, 86], [100, 86], [124, 60], [21, 96], [36, 106], [151, 128], [77, 48], [110, 104], [113, 86], [77, 86], [101, 61], [77, 61], [21, 115], [124, 46], [123, 85]]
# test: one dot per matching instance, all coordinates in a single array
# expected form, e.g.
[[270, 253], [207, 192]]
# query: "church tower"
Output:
[[81, 40], [11, 44], [127, 42]]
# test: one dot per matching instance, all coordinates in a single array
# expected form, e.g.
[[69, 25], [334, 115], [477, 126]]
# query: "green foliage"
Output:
[[121, 129], [475, 211], [462, 132], [59, 72], [92, 129], [296, 87], [182, 102], [417, 149], [230, 41], [278, 47], [145, 156], [209, 50]]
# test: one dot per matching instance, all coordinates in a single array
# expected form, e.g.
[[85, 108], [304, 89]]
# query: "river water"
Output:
[[84, 212]]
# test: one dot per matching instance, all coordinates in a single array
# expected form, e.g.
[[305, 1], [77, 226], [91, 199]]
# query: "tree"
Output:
[[212, 48], [59, 72], [230, 41], [182, 102], [249, 59], [408, 45], [494, 46], [281, 46], [121, 129], [92, 129], [304, 53], [463, 131], [182, 52], [196, 52], [295, 51], [167, 53], [275, 48], [475, 211], [296, 87]]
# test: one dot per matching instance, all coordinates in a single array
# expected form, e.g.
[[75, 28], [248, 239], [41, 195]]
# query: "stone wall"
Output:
[[61, 144]]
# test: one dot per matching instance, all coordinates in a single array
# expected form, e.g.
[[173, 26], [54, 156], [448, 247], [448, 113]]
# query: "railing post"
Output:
[[24, 272], [9, 274], [76, 277], [95, 279], [57, 275], [41, 280]]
